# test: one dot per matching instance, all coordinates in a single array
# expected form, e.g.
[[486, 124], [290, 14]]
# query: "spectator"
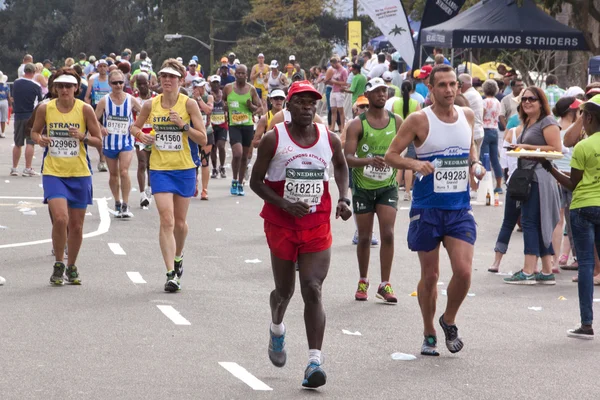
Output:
[[423, 81], [439, 59], [491, 112], [437, 51], [26, 94], [69, 62], [359, 83], [476, 104], [5, 103], [378, 69], [396, 77], [509, 102], [553, 92], [26, 60]]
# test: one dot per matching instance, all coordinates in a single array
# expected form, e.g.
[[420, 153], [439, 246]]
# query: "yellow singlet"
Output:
[[171, 149], [65, 157]]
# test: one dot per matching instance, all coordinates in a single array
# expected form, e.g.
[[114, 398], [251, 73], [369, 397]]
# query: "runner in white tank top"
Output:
[[291, 176], [441, 213]]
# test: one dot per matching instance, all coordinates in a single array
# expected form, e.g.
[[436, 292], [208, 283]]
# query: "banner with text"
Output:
[[436, 12], [354, 36], [389, 16]]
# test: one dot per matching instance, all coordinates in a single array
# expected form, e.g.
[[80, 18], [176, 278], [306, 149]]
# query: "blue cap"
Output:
[[195, 58]]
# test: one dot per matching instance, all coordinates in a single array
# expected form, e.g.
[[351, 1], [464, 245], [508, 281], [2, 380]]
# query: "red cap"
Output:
[[593, 91], [575, 105], [302, 87], [425, 71]]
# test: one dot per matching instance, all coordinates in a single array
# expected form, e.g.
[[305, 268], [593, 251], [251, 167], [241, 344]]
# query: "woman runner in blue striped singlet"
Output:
[[116, 111]]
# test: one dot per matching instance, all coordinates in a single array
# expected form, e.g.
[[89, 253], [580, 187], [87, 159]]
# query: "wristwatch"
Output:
[[345, 200], [86, 138], [185, 128], [473, 162]]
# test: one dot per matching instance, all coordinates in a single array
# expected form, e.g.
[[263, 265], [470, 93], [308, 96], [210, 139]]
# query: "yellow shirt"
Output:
[[171, 148], [586, 158], [65, 157], [259, 83]]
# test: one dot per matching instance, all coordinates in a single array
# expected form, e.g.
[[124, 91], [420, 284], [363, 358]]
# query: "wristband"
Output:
[[475, 162]]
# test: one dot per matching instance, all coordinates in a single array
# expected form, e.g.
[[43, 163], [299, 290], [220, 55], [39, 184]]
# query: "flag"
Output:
[[354, 36]]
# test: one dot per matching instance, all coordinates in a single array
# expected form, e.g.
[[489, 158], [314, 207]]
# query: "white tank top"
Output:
[[287, 116], [275, 83], [447, 146]]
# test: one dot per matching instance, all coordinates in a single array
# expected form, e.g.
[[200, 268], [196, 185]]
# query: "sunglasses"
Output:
[[363, 106], [529, 99], [64, 85], [117, 83], [278, 98]]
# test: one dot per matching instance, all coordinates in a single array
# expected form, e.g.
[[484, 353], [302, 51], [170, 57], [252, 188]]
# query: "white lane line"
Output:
[[117, 249], [173, 315], [136, 277], [243, 375], [102, 227]]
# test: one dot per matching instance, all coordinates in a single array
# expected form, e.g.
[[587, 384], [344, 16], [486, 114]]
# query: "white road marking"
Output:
[[117, 249], [173, 315], [102, 227], [136, 277], [243, 375]]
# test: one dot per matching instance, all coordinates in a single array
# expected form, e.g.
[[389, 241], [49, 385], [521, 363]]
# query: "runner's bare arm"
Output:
[[38, 127], [266, 149], [254, 73], [261, 127], [226, 90], [340, 173], [407, 133], [88, 92], [352, 137], [100, 109], [136, 105], [254, 103], [198, 132], [93, 127], [207, 106], [136, 128]]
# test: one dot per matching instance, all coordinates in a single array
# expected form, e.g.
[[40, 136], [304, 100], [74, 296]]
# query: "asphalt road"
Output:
[[112, 338]]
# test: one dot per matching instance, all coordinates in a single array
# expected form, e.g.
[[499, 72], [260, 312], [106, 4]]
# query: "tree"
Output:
[[586, 9]]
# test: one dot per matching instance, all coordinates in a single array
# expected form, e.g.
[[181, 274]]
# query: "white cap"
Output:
[[102, 61], [387, 76], [66, 78], [277, 93], [179, 59], [260, 55], [198, 82], [169, 70], [292, 58], [144, 66], [374, 84], [192, 62], [231, 54], [274, 64], [236, 62], [214, 78]]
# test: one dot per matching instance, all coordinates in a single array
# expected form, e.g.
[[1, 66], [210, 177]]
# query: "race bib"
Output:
[[304, 185], [217, 119], [451, 175], [239, 118], [98, 95], [377, 173], [62, 145], [116, 125], [168, 138]]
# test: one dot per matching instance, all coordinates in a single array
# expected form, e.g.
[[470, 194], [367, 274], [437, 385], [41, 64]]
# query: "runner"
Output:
[[297, 221], [441, 211], [70, 126], [115, 110], [190, 76], [142, 151], [206, 104], [259, 76], [374, 190], [276, 98], [172, 169], [218, 120], [98, 87], [242, 102], [277, 79]]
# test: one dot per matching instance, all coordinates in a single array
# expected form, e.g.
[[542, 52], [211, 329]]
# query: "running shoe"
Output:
[[581, 333], [73, 276], [355, 238], [277, 352], [57, 277], [14, 172], [172, 285], [374, 241], [125, 212], [429, 346], [234, 188], [240, 190], [362, 291], [314, 376], [29, 172], [519, 278], [453, 342], [178, 265], [386, 293], [2, 135], [215, 174], [407, 196], [498, 190], [222, 172], [144, 201], [544, 279], [102, 166], [204, 195], [118, 210]]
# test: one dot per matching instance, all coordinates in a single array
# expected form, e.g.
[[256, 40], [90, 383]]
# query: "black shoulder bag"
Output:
[[519, 185]]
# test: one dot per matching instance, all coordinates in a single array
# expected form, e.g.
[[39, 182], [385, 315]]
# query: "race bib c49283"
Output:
[[168, 138], [62, 145], [304, 185], [451, 175]]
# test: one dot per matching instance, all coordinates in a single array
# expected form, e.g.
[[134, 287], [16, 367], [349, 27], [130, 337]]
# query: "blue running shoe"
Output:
[[234, 188], [277, 353], [355, 238], [240, 190], [314, 376]]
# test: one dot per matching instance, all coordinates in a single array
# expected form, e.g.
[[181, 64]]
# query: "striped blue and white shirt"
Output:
[[117, 121]]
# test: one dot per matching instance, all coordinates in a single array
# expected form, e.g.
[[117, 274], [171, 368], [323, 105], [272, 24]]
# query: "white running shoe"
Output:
[[144, 201], [14, 172], [29, 172]]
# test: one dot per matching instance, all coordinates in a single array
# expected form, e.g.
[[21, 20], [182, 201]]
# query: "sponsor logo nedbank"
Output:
[[454, 162], [304, 173]]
